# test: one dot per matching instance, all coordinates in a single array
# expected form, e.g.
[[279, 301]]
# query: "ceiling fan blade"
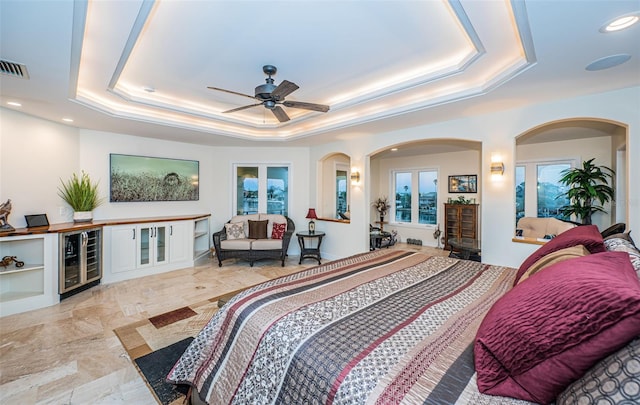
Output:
[[306, 106], [231, 92], [283, 90], [280, 114], [242, 108]]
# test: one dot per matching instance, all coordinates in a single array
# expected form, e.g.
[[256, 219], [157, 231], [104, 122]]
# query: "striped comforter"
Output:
[[383, 327]]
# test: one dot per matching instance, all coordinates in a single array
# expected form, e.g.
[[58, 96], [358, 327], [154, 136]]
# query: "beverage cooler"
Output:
[[80, 261]]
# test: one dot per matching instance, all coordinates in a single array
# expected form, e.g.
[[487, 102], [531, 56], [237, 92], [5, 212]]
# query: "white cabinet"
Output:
[[120, 242], [137, 250], [33, 285], [180, 238]]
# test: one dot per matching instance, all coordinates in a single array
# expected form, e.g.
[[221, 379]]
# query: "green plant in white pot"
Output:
[[82, 195]]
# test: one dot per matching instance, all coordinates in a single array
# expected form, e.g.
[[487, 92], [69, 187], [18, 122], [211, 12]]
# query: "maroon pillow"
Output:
[[278, 230], [554, 326], [586, 235]]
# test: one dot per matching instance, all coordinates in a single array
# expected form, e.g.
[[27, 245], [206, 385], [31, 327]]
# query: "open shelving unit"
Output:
[[35, 284], [201, 239]]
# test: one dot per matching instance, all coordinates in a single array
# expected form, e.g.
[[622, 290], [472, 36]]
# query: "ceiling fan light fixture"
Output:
[[269, 95]]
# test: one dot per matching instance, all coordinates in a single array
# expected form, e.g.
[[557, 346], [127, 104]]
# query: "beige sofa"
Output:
[[247, 246], [539, 227]]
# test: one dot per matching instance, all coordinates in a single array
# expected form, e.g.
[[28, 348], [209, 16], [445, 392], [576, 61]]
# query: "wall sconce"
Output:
[[355, 177], [497, 168]]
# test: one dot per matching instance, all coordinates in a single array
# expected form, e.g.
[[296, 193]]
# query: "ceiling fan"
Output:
[[271, 95]]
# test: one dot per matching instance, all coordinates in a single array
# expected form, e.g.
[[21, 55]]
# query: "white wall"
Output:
[[497, 132], [34, 155]]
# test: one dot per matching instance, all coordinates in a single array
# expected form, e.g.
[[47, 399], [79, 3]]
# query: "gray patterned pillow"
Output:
[[614, 380], [624, 245], [235, 230]]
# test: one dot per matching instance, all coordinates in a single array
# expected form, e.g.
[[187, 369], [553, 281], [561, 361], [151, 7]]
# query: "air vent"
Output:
[[14, 69]]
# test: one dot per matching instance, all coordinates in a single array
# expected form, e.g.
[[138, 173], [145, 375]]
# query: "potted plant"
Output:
[[587, 185], [82, 195]]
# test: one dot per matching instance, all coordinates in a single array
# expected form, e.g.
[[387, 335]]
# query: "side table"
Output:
[[310, 245], [469, 248]]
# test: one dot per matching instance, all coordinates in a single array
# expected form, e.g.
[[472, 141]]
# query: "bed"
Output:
[[383, 327]]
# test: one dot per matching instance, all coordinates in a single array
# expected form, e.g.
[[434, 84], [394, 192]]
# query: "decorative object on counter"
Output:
[[381, 205], [311, 215], [462, 200], [82, 195], [142, 178], [467, 183], [7, 260], [5, 210], [36, 220], [586, 187]]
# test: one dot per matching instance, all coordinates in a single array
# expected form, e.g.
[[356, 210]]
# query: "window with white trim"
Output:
[[416, 196], [261, 188], [538, 190]]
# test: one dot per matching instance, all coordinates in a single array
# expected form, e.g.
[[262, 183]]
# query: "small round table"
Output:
[[312, 251], [376, 238], [469, 248]]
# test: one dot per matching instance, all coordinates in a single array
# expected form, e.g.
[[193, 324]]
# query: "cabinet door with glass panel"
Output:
[[80, 258], [153, 246]]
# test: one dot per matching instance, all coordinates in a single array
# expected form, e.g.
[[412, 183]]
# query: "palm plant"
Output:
[[588, 186], [80, 193]]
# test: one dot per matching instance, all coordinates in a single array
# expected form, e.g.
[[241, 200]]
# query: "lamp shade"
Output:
[[311, 214]]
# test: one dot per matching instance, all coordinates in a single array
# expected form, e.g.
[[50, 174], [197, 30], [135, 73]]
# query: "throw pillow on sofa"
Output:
[[278, 231], [235, 230], [258, 229]]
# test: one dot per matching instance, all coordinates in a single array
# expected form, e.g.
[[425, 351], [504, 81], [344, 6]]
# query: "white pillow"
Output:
[[235, 230]]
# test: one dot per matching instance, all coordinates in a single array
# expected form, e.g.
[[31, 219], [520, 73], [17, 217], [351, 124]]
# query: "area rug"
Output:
[[156, 343], [155, 366]]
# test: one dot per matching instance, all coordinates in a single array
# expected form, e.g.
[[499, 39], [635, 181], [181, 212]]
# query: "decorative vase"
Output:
[[82, 216], [381, 218]]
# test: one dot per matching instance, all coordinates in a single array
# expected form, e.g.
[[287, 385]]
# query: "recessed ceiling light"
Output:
[[67, 120], [608, 62], [14, 104], [620, 23], [394, 149]]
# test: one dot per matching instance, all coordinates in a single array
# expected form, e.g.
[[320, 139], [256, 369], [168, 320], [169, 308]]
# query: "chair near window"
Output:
[[540, 227]]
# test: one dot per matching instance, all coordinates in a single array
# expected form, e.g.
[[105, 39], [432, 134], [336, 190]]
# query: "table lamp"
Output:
[[312, 215]]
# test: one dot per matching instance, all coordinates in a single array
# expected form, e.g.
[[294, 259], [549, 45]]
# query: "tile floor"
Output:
[[68, 353]]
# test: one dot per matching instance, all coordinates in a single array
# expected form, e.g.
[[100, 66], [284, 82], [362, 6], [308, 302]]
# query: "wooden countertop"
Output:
[[533, 241], [75, 226]]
